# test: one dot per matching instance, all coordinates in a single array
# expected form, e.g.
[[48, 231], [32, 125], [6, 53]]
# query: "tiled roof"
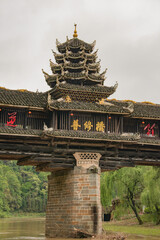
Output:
[[102, 136], [15, 131], [141, 109], [22, 98], [146, 110], [82, 93], [33, 99], [93, 135], [79, 134], [96, 88], [74, 43], [89, 106]]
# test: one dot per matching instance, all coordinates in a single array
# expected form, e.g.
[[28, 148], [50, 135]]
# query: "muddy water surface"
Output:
[[33, 229]]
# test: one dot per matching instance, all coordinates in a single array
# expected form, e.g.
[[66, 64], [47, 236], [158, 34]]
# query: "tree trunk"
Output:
[[133, 206], [158, 215]]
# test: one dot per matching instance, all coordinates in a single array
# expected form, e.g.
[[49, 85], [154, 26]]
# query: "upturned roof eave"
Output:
[[86, 110], [80, 43], [106, 138], [20, 135], [58, 87], [145, 117], [21, 106]]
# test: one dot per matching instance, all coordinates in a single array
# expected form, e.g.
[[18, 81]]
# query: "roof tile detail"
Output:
[[89, 106], [22, 98], [15, 131]]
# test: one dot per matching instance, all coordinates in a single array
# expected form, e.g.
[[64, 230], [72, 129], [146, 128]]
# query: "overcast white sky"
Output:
[[127, 33]]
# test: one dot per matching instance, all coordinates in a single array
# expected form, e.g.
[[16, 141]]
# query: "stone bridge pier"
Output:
[[74, 199]]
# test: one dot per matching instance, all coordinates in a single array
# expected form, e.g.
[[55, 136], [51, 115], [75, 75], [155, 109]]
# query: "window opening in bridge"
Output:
[[130, 125], [115, 124]]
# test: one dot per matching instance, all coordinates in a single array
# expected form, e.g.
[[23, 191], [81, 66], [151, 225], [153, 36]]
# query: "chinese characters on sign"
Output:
[[100, 126], [150, 129], [12, 117], [75, 125], [88, 126]]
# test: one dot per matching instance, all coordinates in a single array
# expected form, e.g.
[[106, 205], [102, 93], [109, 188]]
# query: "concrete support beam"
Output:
[[74, 202]]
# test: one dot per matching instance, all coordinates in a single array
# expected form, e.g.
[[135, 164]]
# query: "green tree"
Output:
[[107, 193], [22, 188], [126, 184], [151, 194], [10, 190]]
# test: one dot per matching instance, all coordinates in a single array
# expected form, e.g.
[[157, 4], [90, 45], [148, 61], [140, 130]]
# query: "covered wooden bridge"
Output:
[[74, 131]]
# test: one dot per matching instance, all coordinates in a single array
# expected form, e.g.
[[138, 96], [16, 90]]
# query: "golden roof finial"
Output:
[[75, 31]]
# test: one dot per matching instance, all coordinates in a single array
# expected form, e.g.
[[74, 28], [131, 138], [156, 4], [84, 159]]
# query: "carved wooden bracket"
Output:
[[87, 159]]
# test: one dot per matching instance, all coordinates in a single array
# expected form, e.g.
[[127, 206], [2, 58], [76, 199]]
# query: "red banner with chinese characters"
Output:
[[150, 129], [12, 117]]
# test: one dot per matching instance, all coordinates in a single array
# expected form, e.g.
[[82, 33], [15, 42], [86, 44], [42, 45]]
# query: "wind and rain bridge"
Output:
[[75, 132]]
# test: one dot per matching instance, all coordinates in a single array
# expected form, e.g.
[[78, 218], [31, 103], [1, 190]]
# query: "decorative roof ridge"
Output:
[[102, 136], [21, 90], [54, 75], [57, 54], [81, 64], [75, 55], [20, 132], [94, 64], [23, 99], [65, 85], [83, 106], [80, 43], [92, 135], [140, 103]]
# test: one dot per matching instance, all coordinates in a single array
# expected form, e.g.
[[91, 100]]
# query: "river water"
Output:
[[34, 228], [22, 229]]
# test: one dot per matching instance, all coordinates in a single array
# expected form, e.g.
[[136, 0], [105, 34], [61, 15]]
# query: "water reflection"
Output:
[[34, 228], [22, 228]]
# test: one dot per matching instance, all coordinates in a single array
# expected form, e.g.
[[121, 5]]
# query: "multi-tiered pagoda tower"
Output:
[[74, 131], [76, 73]]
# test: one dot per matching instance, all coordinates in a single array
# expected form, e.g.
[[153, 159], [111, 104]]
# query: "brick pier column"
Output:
[[74, 202]]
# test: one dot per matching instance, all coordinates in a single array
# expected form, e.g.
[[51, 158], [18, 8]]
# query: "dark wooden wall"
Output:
[[26, 119]]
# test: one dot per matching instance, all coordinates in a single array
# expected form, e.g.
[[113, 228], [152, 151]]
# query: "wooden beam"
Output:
[[53, 166], [117, 164]]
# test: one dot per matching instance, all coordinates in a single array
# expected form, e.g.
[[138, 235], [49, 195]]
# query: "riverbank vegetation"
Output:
[[22, 190], [124, 193], [135, 190]]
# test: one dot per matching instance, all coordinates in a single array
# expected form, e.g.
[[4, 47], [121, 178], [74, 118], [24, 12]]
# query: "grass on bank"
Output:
[[21, 215], [131, 227]]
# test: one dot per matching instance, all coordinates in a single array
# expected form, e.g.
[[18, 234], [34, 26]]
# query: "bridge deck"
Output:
[[50, 154]]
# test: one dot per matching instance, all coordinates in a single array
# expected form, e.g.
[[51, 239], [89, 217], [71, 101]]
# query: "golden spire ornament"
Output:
[[75, 31]]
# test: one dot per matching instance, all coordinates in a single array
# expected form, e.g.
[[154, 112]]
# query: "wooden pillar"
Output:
[[74, 202]]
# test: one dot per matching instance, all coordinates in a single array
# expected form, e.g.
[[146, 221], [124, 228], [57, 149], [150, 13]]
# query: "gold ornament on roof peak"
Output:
[[75, 35], [68, 99], [101, 101]]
